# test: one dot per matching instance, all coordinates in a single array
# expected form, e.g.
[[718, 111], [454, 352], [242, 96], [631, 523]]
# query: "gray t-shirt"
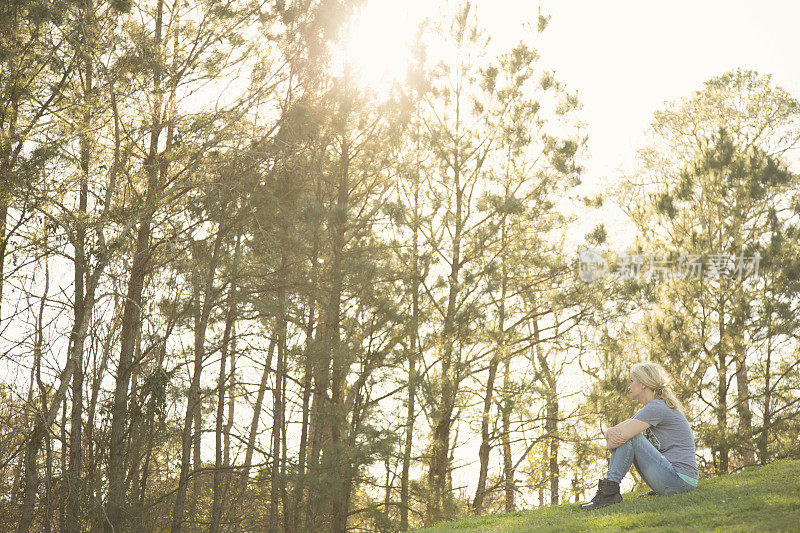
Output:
[[673, 436]]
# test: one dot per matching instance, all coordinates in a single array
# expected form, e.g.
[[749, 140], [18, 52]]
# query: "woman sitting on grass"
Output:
[[665, 458]]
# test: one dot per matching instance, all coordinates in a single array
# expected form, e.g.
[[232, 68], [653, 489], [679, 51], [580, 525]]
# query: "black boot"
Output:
[[607, 493]]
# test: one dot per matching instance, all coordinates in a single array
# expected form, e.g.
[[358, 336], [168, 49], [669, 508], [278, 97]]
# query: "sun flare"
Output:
[[377, 48]]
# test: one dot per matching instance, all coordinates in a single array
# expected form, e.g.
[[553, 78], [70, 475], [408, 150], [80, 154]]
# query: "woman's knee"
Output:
[[624, 446]]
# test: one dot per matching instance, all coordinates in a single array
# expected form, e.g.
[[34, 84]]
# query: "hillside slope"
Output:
[[762, 498]]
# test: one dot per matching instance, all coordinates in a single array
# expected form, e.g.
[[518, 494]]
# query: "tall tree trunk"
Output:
[[41, 422], [75, 490], [286, 504], [551, 411], [226, 432], [576, 487], [483, 453], [31, 477], [196, 462], [299, 489], [507, 407], [722, 398], [204, 301], [763, 438], [131, 315], [130, 323], [92, 468], [150, 430], [74, 479], [277, 487], [251, 439], [336, 458], [440, 458], [136, 432], [244, 478], [276, 481], [318, 432], [387, 493], [3, 217], [551, 427], [5, 170], [116, 164], [405, 504], [30, 407], [328, 464], [743, 401], [221, 458], [306, 431], [49, 502], [230, 513], [412, 362]]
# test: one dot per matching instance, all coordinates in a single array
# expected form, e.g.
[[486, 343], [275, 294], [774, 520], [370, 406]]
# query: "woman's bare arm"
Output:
[[622, 432]]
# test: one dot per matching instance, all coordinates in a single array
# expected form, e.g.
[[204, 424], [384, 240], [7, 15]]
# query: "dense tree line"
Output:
[[241, 290]]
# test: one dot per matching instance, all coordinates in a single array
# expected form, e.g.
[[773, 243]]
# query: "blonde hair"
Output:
[[655, 377]]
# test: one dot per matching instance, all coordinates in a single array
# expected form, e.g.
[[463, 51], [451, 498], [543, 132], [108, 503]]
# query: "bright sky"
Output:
[[625, 57]]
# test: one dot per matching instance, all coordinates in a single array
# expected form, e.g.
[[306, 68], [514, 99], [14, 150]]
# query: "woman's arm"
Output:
[[622, 432]]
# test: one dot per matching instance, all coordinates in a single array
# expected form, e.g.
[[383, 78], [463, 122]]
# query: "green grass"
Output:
[[763, 498]]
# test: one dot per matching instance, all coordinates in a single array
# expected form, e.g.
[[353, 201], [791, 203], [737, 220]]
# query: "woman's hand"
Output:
[[622, 432], [614, 438]]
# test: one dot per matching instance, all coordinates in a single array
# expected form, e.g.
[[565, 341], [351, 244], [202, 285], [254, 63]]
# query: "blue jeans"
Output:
[[659, 473]]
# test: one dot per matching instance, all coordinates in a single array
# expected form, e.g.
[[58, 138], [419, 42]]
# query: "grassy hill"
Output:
[[762, 498]]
